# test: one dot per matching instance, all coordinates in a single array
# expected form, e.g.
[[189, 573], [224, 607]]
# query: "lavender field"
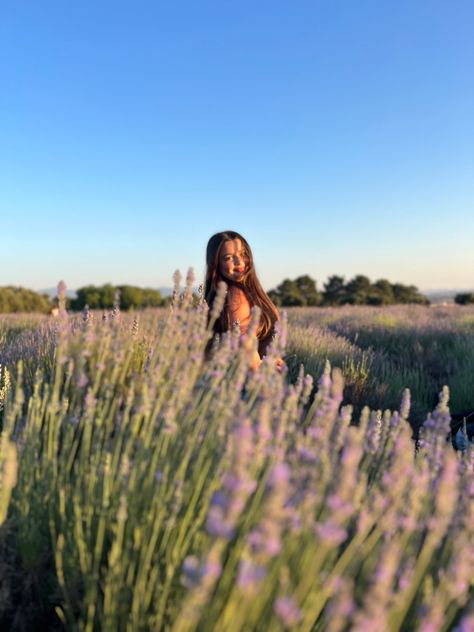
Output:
[[383, 350], [142, 488]]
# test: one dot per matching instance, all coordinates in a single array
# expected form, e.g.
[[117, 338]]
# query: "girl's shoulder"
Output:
[[237, 298], [236, 293]]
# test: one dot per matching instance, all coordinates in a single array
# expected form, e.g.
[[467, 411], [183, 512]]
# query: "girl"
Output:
[[229, 258]]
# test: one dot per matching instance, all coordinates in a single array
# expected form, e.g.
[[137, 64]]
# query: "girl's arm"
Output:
[[239, 309]]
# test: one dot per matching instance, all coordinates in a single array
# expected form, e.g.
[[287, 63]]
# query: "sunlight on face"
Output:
[[234, 260]]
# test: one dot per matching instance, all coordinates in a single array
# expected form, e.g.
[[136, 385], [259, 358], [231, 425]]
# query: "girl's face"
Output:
[[233, 260]]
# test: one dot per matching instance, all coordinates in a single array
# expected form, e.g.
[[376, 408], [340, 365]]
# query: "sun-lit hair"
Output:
[[250, 285]]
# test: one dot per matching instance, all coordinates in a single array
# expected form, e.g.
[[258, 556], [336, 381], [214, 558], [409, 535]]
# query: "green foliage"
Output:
[[303, 292], [103, 297], [18, 299], [130, 296], [334, 291], [298, 293], [466, 298], [408, 294], [149, 298], [287, 294], [87, 295], [357, 290], [381, 293], [307, 287]]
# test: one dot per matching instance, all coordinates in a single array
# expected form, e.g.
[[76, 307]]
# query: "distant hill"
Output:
[[443, 296], [165, 291]]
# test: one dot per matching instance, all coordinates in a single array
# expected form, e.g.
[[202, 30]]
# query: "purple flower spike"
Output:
[[331, 533], [212, 569], [250, 575], [219, 499], [255, 539], [279, 475], [217, 525], [466, 624], [273, 546], [82, 380], [191, 571], [307, 455], [289, 613]]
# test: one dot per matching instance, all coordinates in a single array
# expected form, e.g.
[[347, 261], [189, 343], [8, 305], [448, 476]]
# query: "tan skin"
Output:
[[233, 263]]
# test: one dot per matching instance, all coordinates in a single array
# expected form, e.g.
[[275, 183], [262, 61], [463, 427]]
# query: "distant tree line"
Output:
[[18, 299], [104, 297], [303, 292], [465, 298]]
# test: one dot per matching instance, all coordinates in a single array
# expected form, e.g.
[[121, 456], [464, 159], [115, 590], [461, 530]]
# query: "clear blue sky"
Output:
[[337, 136]]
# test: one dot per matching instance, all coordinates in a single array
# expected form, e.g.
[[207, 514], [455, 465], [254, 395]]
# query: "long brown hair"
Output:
[[249, 284]]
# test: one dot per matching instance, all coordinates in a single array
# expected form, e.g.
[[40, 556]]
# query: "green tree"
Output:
[[18, 299], [87, 295], [358, 290], [307, 287], [130, 297], [107, 296], [151, 298], [275, 297], [334, 292], [408, 294], [464, 298], [287, 294], [381, 293]]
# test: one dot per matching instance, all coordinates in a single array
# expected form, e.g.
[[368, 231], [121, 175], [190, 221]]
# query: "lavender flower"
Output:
[[228, 503], [82, 380], [250, 575], [287, 610], [191, 571], [406, 404], [62, 287], [196, 573], [341, 606], [466, 624], [265, 541], [331, 533], [219, 300]]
